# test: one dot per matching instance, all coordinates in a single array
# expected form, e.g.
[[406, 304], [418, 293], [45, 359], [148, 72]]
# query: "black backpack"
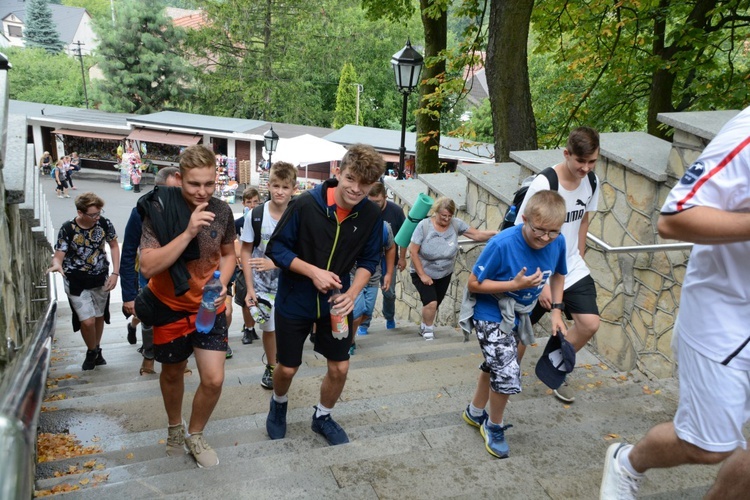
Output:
[[256, 218], [512, 213]]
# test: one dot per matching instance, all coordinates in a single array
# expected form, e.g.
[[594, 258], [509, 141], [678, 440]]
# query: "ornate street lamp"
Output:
[[407, 65], [270, 141]]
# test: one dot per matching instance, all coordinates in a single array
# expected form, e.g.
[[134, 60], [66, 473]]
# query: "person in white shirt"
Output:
[[581, 194], [709, 206]]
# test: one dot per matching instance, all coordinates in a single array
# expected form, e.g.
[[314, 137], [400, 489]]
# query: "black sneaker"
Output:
[[329, 429], [131, 334], [90, 362], [247, 335], [99, 358], [253, 334], [266, 380]]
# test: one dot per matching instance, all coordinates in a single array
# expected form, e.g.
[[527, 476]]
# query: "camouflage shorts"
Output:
[[500, 352]]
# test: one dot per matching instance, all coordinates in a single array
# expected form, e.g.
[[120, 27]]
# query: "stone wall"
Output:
[[24, 228], [638, 292]]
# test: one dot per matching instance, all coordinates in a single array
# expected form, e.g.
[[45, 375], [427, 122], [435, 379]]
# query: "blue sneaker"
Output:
[[353, 350], [494, 439], [362, 330], [276, 420], [329, 429], [474, 421], [390, 324]]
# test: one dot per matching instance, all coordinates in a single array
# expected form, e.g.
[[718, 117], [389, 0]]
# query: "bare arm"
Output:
[[111, 282], [479, 235], [401, 258], [705, 225], [390, 256], [556, 284], [56, 265], [582, 231], [247, 272]]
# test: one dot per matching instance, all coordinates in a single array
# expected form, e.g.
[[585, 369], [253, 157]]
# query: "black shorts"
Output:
[[291, 335], [63, 184], [181, 348], [431, 293], [580, 298]]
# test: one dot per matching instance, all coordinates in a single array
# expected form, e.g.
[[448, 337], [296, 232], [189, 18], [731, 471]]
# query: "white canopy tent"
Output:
[[307, 149]]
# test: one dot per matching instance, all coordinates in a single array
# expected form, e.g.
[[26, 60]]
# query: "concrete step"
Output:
[[401, 409]]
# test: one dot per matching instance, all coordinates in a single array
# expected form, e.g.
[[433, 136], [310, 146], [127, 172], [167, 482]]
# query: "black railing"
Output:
[[21, 395]]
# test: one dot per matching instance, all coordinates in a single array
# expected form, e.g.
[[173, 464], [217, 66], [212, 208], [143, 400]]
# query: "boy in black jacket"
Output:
[[316, 243]]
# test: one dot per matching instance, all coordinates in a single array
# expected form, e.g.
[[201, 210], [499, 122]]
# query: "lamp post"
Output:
[[270, 141], [407, 65]]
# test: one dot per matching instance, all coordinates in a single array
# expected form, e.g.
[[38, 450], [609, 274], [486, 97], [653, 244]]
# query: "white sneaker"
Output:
[[428, 335], [617, 483]]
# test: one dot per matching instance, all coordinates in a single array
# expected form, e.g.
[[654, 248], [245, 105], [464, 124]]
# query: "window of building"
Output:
[[15, 31]]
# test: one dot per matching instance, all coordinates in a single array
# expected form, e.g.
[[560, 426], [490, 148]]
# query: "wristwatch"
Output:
[[558, 305]]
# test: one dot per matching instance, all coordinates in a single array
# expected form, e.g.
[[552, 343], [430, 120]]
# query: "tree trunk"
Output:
[[508, 77], [428, 115]]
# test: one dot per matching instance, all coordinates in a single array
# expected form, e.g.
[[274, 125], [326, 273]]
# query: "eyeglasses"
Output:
[[541, 232], [95, 215], [446, 215]]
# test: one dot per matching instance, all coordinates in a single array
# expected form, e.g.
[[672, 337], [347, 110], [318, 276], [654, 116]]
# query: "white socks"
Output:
[[321, 411], [624, 461], [280, 399], [474, 411]]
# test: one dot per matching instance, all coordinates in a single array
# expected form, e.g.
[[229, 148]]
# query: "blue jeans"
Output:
[[364, 305], [389, 299]]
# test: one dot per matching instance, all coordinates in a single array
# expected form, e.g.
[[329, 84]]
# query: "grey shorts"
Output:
[[90, 304], [500, 352]]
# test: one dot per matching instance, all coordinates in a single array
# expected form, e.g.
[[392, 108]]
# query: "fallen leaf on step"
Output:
[[90, 463], [129, 456], [657, 391], [646, 390], [84, 481], [439, 395], [590, 375], [610, 437], [590, 386], [587, 366], [566, 406], [623, 377], [548, 392], [95, 439], [603, 366], [161, 441]]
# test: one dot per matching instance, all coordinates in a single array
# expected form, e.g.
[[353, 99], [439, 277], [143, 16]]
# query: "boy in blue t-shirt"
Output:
[[508, 277]]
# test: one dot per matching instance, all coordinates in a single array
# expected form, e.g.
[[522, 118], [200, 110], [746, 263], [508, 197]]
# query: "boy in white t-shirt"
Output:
[[261, 275], [579, 298]]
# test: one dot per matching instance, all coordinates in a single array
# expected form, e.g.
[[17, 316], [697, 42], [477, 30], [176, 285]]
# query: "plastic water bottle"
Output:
[[204, 322], [339, 323], [510, 217]]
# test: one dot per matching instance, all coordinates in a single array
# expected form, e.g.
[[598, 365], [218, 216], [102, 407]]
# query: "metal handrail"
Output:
[[21, 395], [659, 247]]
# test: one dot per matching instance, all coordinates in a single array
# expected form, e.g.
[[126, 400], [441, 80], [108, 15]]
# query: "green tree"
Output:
[[41, 30], [38, 76], [513, 118], [282, 61], [625, 62], [141, 60], [98, 9], [347, 100]]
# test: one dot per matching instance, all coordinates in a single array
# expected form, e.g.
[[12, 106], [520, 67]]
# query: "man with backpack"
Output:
[[576, 182], [260, 274]]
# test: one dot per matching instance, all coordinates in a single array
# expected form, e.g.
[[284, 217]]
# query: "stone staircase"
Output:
[[401, 408]]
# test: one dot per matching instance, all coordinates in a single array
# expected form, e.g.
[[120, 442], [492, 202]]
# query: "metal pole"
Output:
[[83, 72], [402, 150]]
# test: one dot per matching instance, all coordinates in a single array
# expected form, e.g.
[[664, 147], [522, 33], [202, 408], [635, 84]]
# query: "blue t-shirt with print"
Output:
[[503, 257]]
